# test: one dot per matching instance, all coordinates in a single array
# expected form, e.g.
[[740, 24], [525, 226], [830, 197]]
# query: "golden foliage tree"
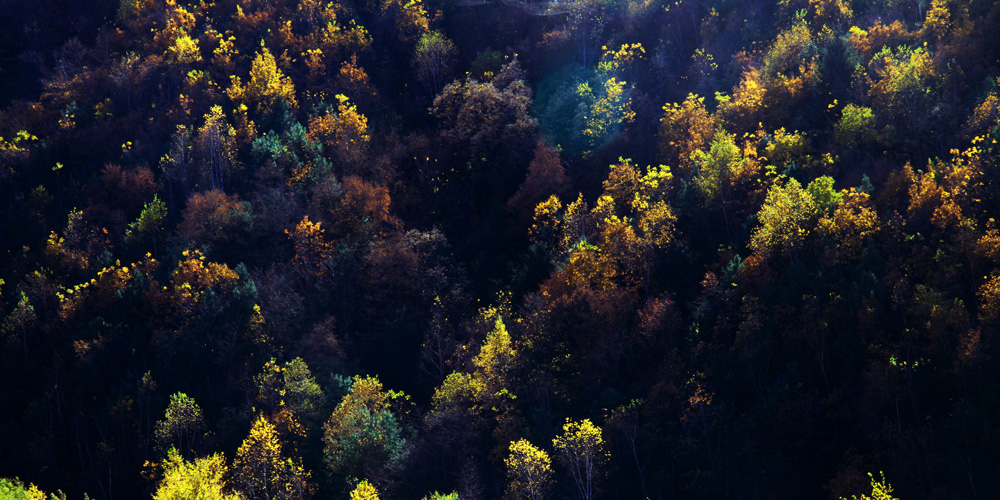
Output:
[[580, 449], [783, 220], [312, 250], [215, 145], [881, 490], [364, 491], [684, 128], [529, 471], [267, 84], [344, 136], [202, 478], [262, 471]]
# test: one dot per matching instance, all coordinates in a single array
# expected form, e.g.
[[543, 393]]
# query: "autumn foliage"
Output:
[[401, 249]]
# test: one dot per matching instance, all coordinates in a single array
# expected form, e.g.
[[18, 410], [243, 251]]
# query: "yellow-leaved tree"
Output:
[[344, 136], [261, 470], [364, 491], [608, 111], [202, 478], [684, 128], [881, 490], [495, 358], [529, 470], [312, 250], [580, 449], [267, 84], [783, 220]]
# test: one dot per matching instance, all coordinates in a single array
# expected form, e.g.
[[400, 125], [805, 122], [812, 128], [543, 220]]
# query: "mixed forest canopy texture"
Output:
[[499, 249]]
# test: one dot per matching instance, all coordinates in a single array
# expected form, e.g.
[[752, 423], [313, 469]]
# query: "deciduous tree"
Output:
[[262, 471], [362, 436], [529, 471], [580, 449], [202, 478], [181, 426]]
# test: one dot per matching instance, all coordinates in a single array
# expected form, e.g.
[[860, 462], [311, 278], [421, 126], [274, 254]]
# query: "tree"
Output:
[[546, 176], [783, 220], [441, 496], [608, 110], [723, 172], [684, 128], [487, 116], [20, 320], [830, 12], [184, 51], [364, 491], [344, 136], [181, 425], [529, 471], [14, 489], [433, 58], [362, 436], [215, 147], [201, 479], [178, 164], [193, 278], [312, 251], [289, 386], [585, 20], [262, 472], [580, 449], [901, 87], [881, 490], [494, 361], [267, 84], [149, 225], [406, 20], [849, 226], [856, 127], [215, 218]]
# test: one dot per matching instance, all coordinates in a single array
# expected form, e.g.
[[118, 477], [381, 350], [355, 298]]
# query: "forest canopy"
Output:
[[478, 250]]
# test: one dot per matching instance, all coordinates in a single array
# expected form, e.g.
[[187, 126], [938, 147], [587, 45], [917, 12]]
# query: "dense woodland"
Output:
[[493, 249]]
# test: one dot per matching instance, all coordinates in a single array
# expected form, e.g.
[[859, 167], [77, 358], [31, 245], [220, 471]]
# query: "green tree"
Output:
[[723, 173], [441, 496], [290, 385], [181, 424], [901, 87], [362, 435], [149, 225], [22, 319], [856, 127], [14, 489]]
